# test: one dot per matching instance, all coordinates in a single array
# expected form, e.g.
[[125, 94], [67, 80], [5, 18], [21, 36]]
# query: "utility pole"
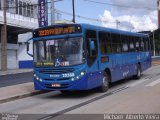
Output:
[[154, 49], [4, 40], [73, 11], [52, 13]]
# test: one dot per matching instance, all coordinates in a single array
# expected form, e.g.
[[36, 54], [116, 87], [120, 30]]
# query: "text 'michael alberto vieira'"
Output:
[[132, 116]]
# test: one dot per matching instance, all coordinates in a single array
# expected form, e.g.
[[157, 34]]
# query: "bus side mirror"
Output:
[[28, 43]]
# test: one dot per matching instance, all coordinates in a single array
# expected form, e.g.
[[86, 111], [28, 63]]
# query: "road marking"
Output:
[[59, 113], [153, 83], [138, 82]]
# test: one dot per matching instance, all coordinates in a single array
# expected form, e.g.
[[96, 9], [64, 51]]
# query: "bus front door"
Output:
[[93, 64]]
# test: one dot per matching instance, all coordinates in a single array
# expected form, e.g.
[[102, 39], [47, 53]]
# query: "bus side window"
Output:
[[105, 42], [102, 42], [125, 46], [137, 44], [109, 43], [116, 43], [132, 44], [142, 44]]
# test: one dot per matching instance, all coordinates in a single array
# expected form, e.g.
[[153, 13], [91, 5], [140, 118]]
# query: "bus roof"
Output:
[[111, 30], [99, 28]]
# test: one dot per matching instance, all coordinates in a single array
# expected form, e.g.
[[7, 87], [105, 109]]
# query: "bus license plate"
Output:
[[56, 85]]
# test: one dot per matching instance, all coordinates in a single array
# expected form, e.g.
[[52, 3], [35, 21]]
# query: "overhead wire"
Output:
[[122, 6]]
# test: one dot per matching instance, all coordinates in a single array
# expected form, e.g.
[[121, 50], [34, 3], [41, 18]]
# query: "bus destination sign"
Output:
[[60, 30]]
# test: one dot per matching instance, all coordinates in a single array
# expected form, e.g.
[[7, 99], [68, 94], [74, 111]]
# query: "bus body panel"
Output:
[[89, 81]]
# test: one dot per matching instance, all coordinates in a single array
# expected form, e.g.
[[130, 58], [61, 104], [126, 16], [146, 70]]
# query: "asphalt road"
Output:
[[8, 80], [128, 96]]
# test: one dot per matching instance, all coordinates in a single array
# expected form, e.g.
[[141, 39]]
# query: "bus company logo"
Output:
[[54, 76], [125, 73]]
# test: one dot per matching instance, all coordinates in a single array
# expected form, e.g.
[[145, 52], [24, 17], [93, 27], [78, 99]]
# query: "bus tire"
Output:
[[105, 83], [138, 74]]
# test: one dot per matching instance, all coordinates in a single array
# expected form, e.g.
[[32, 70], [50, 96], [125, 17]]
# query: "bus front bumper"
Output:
[[80, 84]]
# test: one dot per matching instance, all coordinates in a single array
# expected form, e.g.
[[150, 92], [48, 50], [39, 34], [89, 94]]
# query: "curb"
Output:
[[5, 74], [22, 96], [14, 73]]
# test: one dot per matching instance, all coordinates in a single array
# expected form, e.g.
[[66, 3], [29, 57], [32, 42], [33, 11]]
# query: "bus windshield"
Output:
[[59, 52]]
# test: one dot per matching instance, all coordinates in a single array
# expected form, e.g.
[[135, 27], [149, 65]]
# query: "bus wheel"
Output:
[[105, 83], [138, 74]]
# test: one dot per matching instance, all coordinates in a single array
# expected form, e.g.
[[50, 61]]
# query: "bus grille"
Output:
[[61, 79], [55, 71]]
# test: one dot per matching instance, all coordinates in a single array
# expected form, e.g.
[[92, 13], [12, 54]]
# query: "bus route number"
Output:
[[68, 75]]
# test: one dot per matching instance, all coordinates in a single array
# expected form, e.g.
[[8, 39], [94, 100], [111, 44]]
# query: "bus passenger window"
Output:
[[125, 48], [116, 43], [137, 44], [131, 47], [125, 45], [142, 45], [105, 42]]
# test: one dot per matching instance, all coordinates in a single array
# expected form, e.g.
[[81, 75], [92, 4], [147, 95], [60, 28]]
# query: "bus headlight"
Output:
[[82, 73], [37, 78], [72, 79], [35, 75], [77, 77]]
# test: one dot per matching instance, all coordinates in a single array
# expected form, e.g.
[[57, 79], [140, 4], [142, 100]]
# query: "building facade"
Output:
[[21, 17]]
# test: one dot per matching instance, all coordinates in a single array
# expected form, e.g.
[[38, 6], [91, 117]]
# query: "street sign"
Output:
[[43, 21]]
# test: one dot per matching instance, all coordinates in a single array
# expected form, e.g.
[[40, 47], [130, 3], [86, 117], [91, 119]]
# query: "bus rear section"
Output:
[[127, 54]]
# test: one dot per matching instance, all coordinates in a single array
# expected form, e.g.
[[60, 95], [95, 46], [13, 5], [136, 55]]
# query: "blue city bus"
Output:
[[71, 57]]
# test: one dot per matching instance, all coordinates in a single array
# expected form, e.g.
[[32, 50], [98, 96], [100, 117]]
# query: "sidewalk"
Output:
[[20, 91], [15, 71]]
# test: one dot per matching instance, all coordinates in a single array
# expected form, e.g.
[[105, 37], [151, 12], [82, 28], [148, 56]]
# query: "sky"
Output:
[[130, 15]]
